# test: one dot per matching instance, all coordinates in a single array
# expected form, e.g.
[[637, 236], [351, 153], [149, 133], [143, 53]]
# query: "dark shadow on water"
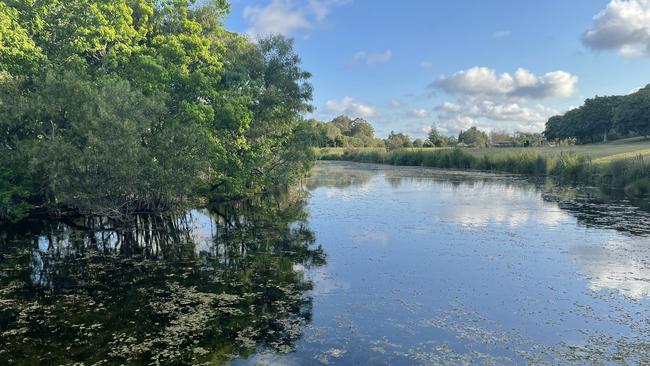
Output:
[[597, 208], [205, 286]]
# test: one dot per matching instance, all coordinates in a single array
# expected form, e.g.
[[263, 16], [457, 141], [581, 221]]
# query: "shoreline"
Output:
[[631, 175]]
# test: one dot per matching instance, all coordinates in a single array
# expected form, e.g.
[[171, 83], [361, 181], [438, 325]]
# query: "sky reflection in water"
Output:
[[435, 267], [382, 265]]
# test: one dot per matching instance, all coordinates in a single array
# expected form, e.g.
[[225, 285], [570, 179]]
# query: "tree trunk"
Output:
[[605, 137]]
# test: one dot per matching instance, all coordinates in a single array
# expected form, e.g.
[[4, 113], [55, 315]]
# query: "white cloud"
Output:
[[287, 17], [501, 34], [623, 26], [420, 113], [491, 115], [617, 264], [498, 111], [373, 58], [426, 64], [484, 82], [350, 107], [450, 107]]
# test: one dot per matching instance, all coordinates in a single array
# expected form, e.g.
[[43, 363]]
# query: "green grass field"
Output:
[[622, 164]]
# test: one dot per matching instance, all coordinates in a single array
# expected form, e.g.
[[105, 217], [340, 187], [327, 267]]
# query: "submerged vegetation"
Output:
[[113, 107], [631, 174], [190, 289]]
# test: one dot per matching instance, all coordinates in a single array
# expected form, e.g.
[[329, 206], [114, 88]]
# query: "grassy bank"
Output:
[[618, 165]]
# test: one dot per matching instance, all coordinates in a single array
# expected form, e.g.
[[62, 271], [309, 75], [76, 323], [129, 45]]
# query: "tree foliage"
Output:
[[633, 113], [398, 140], [603, 118], [343, 131], [138, 104], [473, 137], [437, 139]]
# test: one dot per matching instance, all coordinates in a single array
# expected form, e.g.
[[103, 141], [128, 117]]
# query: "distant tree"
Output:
[[572, 126], [598, 116], [343, 123], [418, 143], [360, 128], [554, 127], [397, 141], [500, 138], [355, 142], [633, 114], [437, 139], [376, 142], [567, 126], [473, 137], [534, 139], [333, 135]]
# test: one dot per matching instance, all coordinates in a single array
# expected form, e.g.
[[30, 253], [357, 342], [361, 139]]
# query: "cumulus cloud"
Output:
[[287, 17], [491, 115], [618, 265], [623, 26], [371, 58], [508, 111], [350, 107], [483, 81], [502, 102]]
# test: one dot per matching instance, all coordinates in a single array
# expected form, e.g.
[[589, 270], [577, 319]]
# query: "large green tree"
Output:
[[186, 108], [633, 113], [598, 115]]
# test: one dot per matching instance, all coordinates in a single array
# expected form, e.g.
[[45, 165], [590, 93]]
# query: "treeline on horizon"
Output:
[[119, 106], [604, 118], [346, 132], [599, 119]]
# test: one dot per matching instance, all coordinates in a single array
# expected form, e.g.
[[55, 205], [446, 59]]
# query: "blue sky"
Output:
[[501, 64]]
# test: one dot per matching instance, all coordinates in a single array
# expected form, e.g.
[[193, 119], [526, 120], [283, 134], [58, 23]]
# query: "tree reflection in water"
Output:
[[591, 206], [190, 289]]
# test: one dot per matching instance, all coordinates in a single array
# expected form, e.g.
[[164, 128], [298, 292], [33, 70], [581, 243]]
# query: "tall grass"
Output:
[[631, 174]]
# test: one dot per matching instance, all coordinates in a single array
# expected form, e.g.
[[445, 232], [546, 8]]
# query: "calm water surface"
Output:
[[380, 265]]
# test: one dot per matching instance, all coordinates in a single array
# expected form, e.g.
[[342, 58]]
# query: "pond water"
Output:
[[378, 265]]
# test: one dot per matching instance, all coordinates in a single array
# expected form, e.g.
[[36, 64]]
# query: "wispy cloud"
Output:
[[501, 34], [420, 113], [288, 17], [394, 103], [373, 58]]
